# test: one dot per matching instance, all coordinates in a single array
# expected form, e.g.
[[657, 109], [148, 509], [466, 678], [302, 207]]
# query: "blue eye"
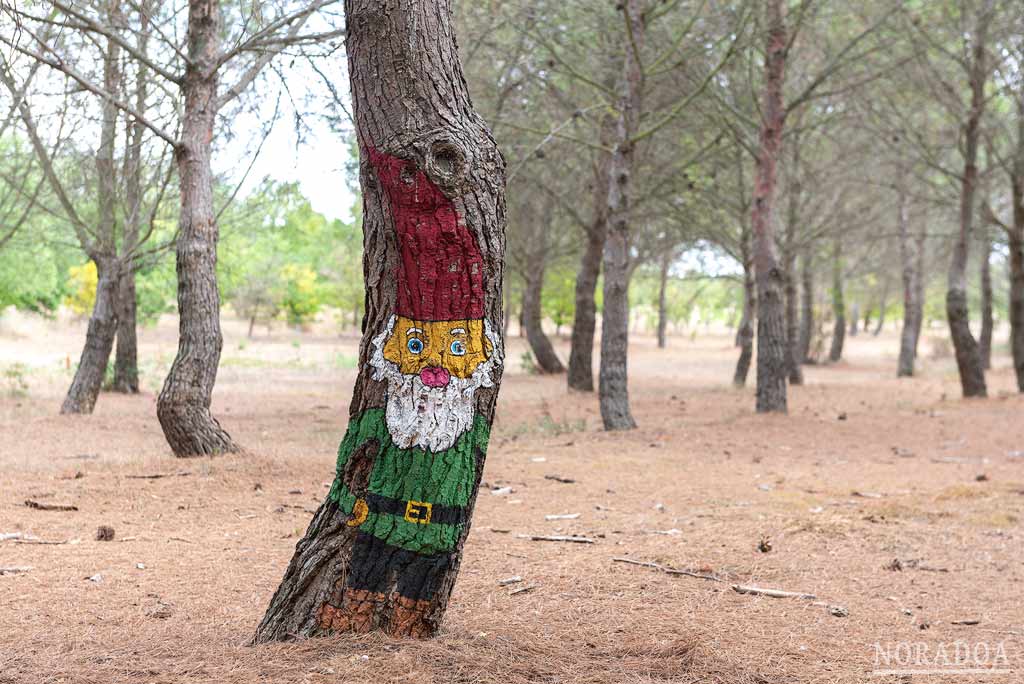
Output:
[[458, 349], [415, 345]]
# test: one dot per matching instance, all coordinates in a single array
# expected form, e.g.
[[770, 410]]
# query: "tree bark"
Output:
[[806, 309], [911, 291], [547, 360], [581, 352], [987, 322], [882, 305], [184, 403], [854, 319], [838, 303], [968, 354], [99, 340], [126, 358], [1016, 247], [772, 345], [613, 388], [427, 160], [666, 262]]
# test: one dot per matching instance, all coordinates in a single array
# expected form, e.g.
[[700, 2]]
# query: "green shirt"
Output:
[[417, 475]]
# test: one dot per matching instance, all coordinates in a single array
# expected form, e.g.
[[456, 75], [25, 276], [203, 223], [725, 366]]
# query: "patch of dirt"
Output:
[[176, 594]]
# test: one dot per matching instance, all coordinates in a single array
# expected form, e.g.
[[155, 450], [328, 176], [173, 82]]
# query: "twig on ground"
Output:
[[49, 507], [563, 516], [510, 580], [17, 570], [556, 538], [156, 476], [179, 539], [559, 478], [522, 590], [773, 593], [667, 570]]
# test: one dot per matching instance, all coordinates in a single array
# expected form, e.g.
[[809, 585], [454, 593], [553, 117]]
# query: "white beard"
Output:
[[432, 418]]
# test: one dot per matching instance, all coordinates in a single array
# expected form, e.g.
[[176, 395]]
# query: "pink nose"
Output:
[[435, 377]]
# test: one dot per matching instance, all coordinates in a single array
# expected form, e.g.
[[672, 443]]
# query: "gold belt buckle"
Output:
[[418, 512]]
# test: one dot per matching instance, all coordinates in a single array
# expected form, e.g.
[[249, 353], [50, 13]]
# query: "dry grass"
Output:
[[213, 544]]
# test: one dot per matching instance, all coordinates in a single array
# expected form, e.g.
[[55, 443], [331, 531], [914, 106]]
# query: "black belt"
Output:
[[416, 511]]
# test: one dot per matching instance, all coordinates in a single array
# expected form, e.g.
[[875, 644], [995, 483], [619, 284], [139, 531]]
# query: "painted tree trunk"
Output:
[[910, 277], [663, 300], [184, 403], [838, 304], [544, 354], [772, 346], [581, 353], [987, 322], [613, 388], [806, 309], [126, 357], [746, 332], [968, 353], [382, 553], [99, 340]]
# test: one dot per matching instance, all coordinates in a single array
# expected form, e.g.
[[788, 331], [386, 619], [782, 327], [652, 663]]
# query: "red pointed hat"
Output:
[[440, 267]]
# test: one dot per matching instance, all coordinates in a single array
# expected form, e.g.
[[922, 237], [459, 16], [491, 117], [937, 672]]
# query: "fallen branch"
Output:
[[157, 476], [773, 593], [522, 590], [15, 570], [36, 540], [667, 570], [563, 516], [559, 478], [49, 507], [556, 538]]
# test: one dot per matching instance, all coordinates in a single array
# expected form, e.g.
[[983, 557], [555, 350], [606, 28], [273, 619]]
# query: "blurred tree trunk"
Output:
[[882, 306], [1016, 248], [99, 337], [746, 331], [410, 101], [968, 354], [987, 322], [184, 403], [772, 345], [581, 353], [854, 319], [806, 308], [911, 291], [613, 388], [838, 302], [543, 353], [666, 262], [789, 255]]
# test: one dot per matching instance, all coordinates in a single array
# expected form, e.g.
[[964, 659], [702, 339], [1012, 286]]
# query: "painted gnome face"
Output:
[[438, 348]]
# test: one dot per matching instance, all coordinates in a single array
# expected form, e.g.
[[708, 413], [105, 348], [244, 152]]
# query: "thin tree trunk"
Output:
[[99, 340], [921, 241], [126, 358], [987, 322], [184, 403], [911, 291], [666, 261], [746, 333], [613, 388], [543, 353], [1016, 248], [581, 346], [854, 319], [882, 306], [371, 560], [806, 308], [838, 303], [968, 354], [772, 346], [789, 254]]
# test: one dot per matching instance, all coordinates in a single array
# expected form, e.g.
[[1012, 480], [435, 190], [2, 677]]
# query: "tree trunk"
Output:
[[987, 322], [796, 376], [806, 309], [772, 345], [968, 354], [746, 332], [581, 350], [99, 340], [882, 306], [184, 403], [666, 261], [613, 386], [544, 354], [433, 188], [854, 319], [838, 303], [911, 291], [126, 359], [1016, 248]]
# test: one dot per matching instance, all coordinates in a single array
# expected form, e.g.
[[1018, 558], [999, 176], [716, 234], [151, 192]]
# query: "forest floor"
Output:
[[893, 500]]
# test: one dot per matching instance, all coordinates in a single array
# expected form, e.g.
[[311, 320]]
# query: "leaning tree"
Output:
[[383, 550]]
